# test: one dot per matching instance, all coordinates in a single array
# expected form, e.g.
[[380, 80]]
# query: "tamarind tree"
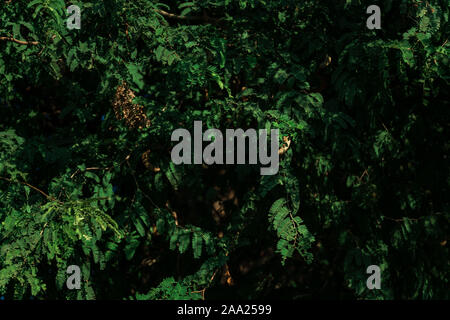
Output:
[[86, 176]]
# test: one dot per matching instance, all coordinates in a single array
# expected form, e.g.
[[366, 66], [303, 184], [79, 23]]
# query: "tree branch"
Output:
[[33, 43], [32, 187], [187, 18]]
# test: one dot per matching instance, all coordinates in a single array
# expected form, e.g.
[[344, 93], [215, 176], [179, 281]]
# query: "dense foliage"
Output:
[[87, 178]]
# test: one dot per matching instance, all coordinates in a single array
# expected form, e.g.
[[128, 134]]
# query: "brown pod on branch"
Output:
[[124, 108]]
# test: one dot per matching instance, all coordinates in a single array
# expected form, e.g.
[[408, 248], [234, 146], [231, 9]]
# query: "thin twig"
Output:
[[87, 169], [33, 43], [34, 188], [174, 16], [137, 184], [363, 174], [204, 289], [412, 219]]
